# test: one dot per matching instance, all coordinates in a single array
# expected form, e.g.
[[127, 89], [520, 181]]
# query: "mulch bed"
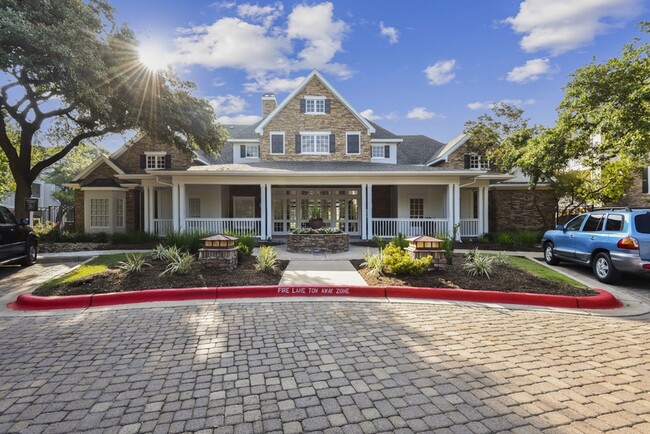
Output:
[[46, 247], [504, 279], [202, 274]]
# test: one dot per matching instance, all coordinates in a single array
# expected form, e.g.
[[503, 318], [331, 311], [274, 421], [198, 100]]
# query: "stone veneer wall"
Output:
[[129, 161], [291, 121], [328, 243], [635, 197], [514, 210]]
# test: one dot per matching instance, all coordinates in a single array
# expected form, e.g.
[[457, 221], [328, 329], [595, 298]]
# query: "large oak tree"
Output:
[[68, 73]]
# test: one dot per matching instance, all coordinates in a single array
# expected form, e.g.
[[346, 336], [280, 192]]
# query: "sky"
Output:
[[414, 67]]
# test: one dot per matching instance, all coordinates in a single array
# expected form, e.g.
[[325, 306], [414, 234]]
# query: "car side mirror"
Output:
[[560, 228], [24, 221]]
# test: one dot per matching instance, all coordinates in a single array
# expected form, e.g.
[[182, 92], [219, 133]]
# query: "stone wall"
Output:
[[635, 197], [328, 243], [291, 121], [514, 210], [129, 161]]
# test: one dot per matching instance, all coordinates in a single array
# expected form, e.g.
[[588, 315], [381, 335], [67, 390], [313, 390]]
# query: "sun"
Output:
[[153, 57]]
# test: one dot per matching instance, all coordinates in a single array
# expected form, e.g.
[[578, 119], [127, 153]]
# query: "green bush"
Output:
[[478, 264], [135, 237], [400, 241], [380, 242], [47, 231], [397, 261], [267, 260], [133, 263], [449, 243], [179, 263], [526, 238], [245, 243], [484, 238], [503, 238], [185, 240], [162, 253], [374, 263]]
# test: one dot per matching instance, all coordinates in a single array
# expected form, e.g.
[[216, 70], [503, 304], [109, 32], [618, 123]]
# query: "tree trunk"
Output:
[[23, 191]]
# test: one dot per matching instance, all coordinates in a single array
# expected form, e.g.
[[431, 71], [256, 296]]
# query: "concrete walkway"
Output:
[[354, 252], [321, 273]]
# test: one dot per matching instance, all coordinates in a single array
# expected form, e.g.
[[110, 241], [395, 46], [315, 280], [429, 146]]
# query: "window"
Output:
[[252, 151], [575, 224], [416, 208], [277, 143], [594, 223], [243, 206], [614, 223], [194, 211], [315, 143], [315, 105], [475, 162], [155, 161], [119, 213], [99, 213], [378, 151], [642, 223], [353, 143], [36, 190]]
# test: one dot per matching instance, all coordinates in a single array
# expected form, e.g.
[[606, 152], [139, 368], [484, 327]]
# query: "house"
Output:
[[312, 149]]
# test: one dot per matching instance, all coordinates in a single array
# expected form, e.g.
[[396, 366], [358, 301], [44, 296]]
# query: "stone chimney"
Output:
[[268, 104]]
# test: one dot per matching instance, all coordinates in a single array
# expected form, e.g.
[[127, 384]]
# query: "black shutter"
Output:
[[387, 151], [298, 144], [467, 158], [303, 106], [242, 151], [143, 161], [332, 144], [644, 183], [328, 105], [168, 161]]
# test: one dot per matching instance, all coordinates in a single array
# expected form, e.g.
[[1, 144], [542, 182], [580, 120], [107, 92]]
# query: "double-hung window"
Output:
[[476, 162], [155, 160], [252, 151], [353, 145], [416, 208], [380, 151], [99, 217], [277, 143], [315, 105], [315, 143]]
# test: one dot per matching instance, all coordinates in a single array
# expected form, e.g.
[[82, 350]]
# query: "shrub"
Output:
[[245, 243], [133, 263], [179, 263], [484, 238], [400, 241], [380, 242], [47, 231], [449, 243], [374, 263], [503, 238], [478, 264], [526, 238], [267, 260], [135, 237], [162, 253], [397, 261], [189, 241], [500, 258]]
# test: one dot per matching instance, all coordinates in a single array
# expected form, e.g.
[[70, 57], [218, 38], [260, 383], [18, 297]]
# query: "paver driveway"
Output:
[[323, 366]]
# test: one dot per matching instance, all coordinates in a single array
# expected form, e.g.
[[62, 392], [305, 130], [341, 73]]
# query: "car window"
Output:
[[575, 224], [594, 223], [642, 223], [614, 223], [7, 216]]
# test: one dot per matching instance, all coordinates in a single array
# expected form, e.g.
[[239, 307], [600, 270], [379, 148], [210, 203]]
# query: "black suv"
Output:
[[18, 242]]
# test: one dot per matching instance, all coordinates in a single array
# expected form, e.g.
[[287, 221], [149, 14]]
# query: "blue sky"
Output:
[[414, 67]]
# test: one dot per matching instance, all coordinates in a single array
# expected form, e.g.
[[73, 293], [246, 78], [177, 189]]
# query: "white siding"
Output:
[[210, 196], [434, 199]]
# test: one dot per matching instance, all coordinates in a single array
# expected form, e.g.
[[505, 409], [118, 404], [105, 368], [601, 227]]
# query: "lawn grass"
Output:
[[95, 266], [532, 267]]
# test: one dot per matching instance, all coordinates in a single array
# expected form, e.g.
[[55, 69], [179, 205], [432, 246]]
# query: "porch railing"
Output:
[[251, 226], [390, 227], [468, 227], [162, 226]]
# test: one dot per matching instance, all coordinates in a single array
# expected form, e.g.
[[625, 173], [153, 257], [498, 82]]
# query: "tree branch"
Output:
[[5, 143]]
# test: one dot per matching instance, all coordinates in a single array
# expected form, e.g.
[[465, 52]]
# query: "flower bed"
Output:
[[313, 243]]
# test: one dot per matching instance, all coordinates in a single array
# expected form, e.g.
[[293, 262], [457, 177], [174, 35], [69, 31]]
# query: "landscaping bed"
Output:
[[506, 279]]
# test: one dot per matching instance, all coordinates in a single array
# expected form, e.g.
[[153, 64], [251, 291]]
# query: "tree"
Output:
[[69, 74]]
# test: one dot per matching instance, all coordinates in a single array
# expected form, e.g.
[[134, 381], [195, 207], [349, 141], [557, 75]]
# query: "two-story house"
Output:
[[312, 150]]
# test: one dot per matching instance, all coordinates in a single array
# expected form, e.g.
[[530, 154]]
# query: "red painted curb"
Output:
[[604, 300], [176, 294]]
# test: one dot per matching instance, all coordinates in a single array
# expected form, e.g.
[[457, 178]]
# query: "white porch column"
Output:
[[145, 206], [364, 208], [457, 206], [479, 207], [263, 211], [369, 212], [175, 208], [183, 206], [486, 213], [450, 210], [269, 212], [152, 208]]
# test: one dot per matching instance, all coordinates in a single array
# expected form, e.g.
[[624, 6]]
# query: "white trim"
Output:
[[95, 164], [314, 97], [314, 134], [387, 141], [156, 153], [314, 73], [352, 133], [284, 142], [235, 141], [383, 150], [449, 149]]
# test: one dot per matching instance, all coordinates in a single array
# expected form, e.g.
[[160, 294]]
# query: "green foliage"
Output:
[[91, 268], [478, 264], [522, 238], [315, 212], [267, 260], [397, 261], [500, 258], [374, 263], [185, 240], [179, 263], [380, 242], [162, 253], [484, 238], [47, 231], [504, 238], [400, 241], [245, 243], [134, 237], [449, 243], [133, 263], [310, 231]]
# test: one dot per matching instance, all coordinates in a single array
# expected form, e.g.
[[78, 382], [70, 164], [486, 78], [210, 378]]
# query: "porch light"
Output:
[[424, 242], [220, 250], [219, 241]]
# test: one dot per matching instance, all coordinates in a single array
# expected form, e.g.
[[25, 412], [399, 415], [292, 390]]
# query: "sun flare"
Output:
[[153, 57]]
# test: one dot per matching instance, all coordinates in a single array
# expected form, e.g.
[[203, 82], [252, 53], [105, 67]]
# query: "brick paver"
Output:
[[323, 367]]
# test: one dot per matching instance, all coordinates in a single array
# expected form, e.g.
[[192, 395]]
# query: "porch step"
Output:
[[321, 273]]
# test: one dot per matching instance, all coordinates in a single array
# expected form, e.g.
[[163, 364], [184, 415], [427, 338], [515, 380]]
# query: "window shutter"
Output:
[[332, 144], [298, 143], [242, 151], [645, 183], [168, 161], [143, 161], [467, 158], [328, 105], [387, 151], [303, 106]]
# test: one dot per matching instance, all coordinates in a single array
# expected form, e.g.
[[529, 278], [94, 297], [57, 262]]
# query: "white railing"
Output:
[[468, 227], [162, 226], [220, 225], [388, 228]]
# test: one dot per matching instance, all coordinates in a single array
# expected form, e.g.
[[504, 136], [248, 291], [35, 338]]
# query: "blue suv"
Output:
[[610, 241]]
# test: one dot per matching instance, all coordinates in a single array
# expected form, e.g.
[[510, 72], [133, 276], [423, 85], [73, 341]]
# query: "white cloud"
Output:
[[273, 84], [530, 71], [228, 104], [371, 116], [239, 119], [390, 32], [485, 105], [560, 26], [261, 14], [441, 72], [421, 114]]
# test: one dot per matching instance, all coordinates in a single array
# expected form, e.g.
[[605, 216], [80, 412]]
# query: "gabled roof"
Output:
[[314, 74], [382, 133], [103, 159], [242, 132], [449, 148], [122, 149], [417, 149]]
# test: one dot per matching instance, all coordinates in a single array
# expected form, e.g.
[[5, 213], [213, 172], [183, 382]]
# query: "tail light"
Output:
[[629, 243]]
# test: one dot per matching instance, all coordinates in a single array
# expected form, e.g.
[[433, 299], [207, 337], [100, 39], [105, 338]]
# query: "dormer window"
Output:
[[474, 161], [315, 105], [155, 160]]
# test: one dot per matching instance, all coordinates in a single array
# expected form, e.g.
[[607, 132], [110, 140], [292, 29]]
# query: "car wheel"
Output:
[[604, 268], [30, 252], [549, 256]]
